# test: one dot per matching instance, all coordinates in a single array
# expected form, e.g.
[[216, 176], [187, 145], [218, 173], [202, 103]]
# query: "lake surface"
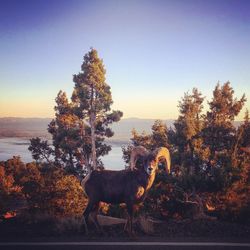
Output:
[[11, 146]]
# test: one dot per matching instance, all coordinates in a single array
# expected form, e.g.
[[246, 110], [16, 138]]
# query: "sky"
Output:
[[153, 51]]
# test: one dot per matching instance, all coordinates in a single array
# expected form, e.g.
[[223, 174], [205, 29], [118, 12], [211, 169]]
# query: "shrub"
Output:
[[8, 191], [57, 194]]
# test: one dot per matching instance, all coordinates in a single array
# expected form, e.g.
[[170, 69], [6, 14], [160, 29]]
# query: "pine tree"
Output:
[[67, 132], [219, 131], [185, 135], [92, 99], [81, 125]]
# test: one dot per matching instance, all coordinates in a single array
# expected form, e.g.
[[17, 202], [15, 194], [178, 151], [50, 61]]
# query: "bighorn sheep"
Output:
[[128, 186]]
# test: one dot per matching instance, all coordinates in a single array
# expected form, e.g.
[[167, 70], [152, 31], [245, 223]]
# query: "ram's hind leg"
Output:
[[90, 207], [93, 215]]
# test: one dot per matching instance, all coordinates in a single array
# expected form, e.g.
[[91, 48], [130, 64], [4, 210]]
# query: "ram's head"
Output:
[[150, 159]]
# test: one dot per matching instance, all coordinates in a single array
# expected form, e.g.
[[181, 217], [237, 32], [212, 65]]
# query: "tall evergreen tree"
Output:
[[81, 126], [92, 99], [185, 135], [219, 131]]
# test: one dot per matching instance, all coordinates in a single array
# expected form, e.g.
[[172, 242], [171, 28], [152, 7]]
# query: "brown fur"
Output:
[[125, 186]]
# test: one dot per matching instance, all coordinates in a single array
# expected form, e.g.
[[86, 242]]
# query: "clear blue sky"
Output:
[[154, 51]]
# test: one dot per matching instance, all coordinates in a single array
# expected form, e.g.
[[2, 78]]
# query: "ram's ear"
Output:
[[162, 153], [136, 153]]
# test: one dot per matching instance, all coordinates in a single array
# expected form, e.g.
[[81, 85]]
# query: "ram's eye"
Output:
[[153, 163]]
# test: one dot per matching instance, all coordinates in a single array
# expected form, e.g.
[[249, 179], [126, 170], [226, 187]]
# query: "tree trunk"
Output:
[[71, 161], [92, 126]]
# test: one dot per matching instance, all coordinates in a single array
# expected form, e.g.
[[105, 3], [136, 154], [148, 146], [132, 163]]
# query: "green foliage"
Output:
[[81, 125], [40, 149], [70, 136], [210, 156], [187, 143], [92, 99], [207, 146], [219, 131]]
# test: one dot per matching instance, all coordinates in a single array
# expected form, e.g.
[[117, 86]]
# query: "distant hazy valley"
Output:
[[31, 127], [16, 132]]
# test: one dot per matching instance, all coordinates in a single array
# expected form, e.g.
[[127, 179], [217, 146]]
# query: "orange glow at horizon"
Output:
[[157, 106], [26, 109]]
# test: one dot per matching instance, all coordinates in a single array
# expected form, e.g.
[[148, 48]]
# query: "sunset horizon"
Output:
[[153, 52]]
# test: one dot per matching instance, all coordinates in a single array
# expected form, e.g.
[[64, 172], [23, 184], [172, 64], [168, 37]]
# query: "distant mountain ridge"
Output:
[[32, 127], [123, 128], [24, 127]]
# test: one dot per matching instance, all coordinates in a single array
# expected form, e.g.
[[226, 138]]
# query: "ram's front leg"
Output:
[[129, 224]]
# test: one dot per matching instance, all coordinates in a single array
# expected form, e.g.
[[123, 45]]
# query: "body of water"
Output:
[[19, 147]]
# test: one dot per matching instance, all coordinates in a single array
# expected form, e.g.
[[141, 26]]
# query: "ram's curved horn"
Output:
[[163, 153], [136, 151]]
